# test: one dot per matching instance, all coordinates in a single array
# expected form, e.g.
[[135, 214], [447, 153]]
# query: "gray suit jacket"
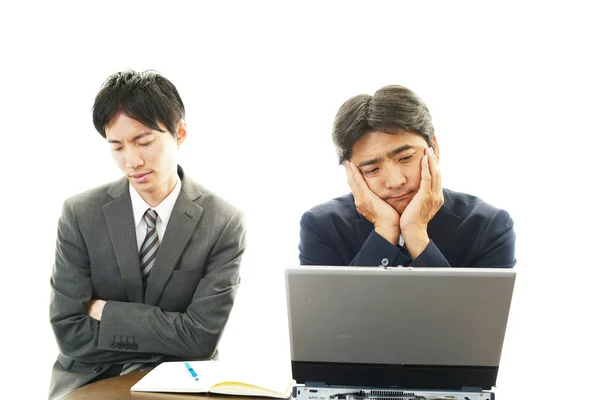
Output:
[[189, 294]]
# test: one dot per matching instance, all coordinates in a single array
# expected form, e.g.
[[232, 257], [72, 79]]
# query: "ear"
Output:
[[436, 148], [181, 132]]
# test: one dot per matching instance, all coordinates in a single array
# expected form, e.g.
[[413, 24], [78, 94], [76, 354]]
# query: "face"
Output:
[[147, 157], [391, 165]]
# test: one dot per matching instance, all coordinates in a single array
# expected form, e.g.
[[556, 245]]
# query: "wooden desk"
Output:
[[118, 388]]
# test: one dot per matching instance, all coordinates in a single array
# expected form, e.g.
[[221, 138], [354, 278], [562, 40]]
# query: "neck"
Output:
[[157, 196]]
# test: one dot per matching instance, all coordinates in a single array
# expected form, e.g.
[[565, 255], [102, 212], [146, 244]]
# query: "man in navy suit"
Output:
[[398, 213]]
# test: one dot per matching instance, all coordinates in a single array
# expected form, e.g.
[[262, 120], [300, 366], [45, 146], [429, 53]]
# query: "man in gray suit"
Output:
[[146, 267]]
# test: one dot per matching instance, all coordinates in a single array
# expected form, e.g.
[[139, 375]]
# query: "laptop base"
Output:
[[309, 392]]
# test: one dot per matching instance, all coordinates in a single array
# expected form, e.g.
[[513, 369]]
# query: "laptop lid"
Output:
[[437, 328]]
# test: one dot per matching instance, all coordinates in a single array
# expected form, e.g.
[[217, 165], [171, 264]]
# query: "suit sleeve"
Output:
[[77, 334], [497, 246], [319, 247], [195, 333], [430, 257]]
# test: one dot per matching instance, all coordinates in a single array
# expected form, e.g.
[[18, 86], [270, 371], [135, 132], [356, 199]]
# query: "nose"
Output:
[[133, 157], [395, 177]]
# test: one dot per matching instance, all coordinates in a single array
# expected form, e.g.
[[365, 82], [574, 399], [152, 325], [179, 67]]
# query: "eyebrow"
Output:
[[141, 135], [392, 153]]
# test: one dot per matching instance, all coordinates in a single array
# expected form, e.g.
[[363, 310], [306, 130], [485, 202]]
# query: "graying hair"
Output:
[[392, 109]]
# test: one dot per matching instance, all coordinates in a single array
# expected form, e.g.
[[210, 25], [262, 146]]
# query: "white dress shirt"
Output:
[[164, 210], [401, 241]]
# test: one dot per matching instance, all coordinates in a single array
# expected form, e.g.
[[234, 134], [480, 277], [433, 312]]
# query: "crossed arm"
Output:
[[193, 333]]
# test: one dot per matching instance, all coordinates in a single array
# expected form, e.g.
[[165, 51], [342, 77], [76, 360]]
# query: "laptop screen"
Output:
[[421, 326]]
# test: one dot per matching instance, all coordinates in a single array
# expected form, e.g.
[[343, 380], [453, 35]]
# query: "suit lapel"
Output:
[[180, 227], [121, 228], [363, 229], [444, 220], [361, 226]]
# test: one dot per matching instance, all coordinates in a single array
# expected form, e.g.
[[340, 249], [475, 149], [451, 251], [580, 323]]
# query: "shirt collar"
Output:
[[164, 209]]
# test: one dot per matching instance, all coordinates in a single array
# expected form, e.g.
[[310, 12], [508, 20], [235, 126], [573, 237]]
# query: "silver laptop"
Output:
[[424, 329]]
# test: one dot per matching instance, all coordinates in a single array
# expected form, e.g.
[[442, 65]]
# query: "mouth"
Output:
[[141, 177], [400, 197]]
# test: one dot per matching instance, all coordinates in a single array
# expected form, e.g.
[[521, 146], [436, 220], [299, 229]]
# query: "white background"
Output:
[[512, 88]]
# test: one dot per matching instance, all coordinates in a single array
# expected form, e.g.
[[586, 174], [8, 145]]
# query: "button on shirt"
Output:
[[164, 210]]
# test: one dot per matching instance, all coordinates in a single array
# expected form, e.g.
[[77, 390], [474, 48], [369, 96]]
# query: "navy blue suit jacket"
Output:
[[465, 232]]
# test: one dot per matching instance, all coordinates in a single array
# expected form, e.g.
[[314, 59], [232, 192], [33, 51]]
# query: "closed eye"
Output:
[[371, 171], [407, 158], [146, 143]]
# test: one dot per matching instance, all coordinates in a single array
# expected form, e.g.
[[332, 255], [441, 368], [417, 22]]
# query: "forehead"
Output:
[[125, 127], [377, 144]]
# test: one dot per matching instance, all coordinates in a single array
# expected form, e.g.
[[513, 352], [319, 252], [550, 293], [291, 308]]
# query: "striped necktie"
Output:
[[149, 245], [147, 256]]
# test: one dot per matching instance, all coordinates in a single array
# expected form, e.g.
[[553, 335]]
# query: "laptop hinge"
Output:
[[471, 389], [315, 384]]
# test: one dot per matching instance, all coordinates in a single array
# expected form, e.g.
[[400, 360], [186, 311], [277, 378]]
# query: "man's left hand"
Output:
[[421, 209], [95, 308]]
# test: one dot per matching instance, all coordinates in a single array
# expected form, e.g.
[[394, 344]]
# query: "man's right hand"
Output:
[[383, 216], [95, 308]]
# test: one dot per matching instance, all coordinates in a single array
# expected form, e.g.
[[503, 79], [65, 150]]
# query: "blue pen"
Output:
[[192, 372]]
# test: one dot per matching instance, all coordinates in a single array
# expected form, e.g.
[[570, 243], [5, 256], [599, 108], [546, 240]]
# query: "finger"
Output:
[[355, 178], [434, 170], [433, 162], [363, 196], [350, 176], [353, 181], [425, 174]]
